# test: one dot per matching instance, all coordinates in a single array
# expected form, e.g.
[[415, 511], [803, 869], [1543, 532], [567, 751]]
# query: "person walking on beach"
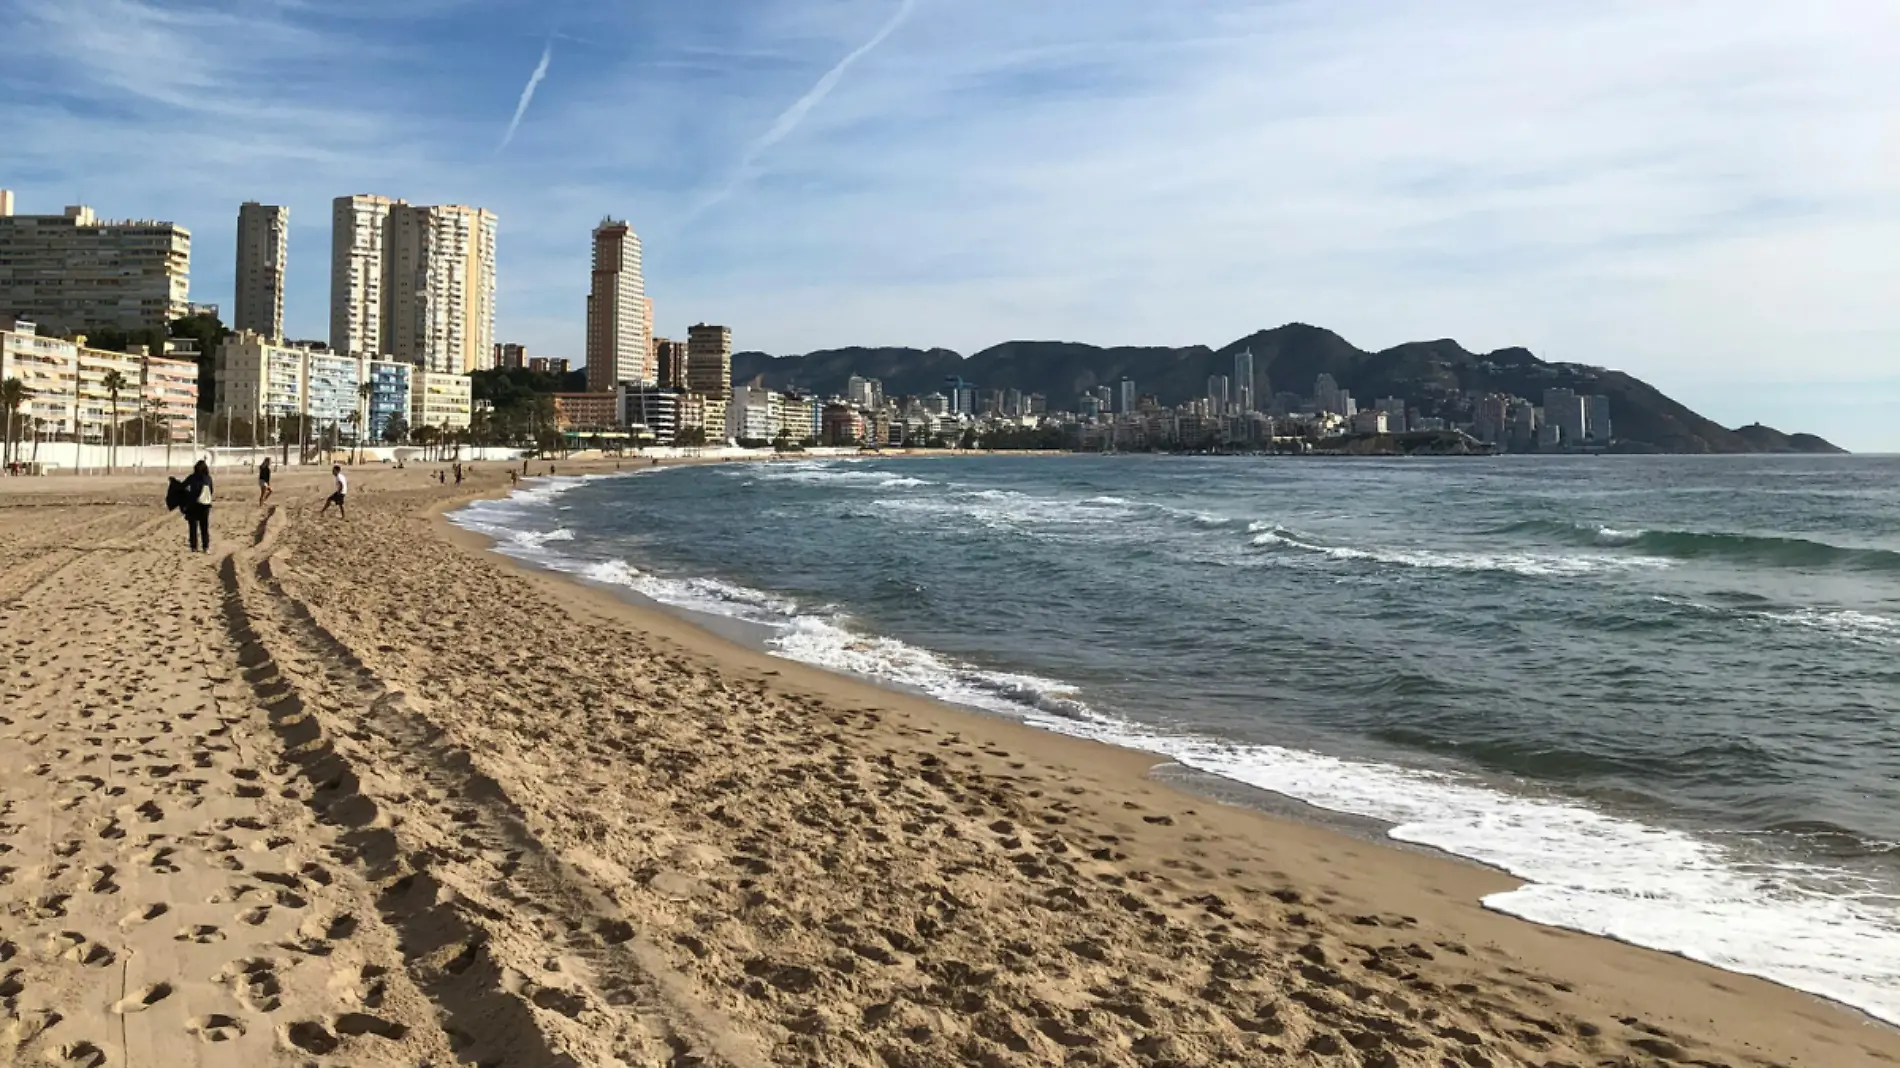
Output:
[[340, 496], [263, 481], [197, 507]]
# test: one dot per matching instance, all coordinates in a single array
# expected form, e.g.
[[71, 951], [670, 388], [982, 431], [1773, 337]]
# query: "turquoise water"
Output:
[[1664, 691]]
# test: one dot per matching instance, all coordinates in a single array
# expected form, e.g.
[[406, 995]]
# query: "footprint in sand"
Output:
[[142, 999], [145, 914], [254, 980], [77, 1055], [201, 933], [311, 1037], [214, 1027]]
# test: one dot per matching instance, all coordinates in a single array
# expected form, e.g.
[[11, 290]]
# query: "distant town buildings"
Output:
[[263, 248], [510, 356], [75, 272], [548, 365], [618, 326]]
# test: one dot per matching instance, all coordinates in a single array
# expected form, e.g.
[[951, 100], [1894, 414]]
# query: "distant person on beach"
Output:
[[197, 507], [458, 474], [442, 477], [340, 496], [550, 469], [263, 481], [513, 479]]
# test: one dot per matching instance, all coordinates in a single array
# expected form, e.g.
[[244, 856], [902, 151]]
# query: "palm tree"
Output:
[[363, 392], [114, 381], [13, 393]]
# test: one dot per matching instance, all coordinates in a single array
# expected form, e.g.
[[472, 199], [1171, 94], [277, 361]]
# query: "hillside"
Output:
[[1432, 376]]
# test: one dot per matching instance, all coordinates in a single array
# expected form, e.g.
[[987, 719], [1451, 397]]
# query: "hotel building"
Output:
[[74, 271]]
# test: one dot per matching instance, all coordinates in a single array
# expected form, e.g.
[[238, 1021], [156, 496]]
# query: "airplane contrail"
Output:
[[792, 116], [527, 92]]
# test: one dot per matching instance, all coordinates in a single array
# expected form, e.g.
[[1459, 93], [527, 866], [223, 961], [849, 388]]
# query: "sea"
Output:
[[1662, 691]]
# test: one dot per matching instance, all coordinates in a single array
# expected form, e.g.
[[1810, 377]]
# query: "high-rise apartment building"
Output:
[[617, 311], [1218, 398], [359, 228], [1564, 410], [709, 361], [669, 362], [417, 282], [74, 271], [263, 241], [441, 286], [1127, 396], [1597, 418], [510, 356], [1243, 389]]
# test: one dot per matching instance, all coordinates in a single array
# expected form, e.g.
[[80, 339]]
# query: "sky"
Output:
[[1704, 193]]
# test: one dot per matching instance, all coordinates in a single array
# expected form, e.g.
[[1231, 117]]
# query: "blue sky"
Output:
[[1705, 193]]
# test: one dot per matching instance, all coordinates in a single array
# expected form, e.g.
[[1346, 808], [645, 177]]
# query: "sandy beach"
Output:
[[359, 792]]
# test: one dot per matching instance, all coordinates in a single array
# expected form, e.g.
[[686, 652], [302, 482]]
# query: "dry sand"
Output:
[[359, 793]]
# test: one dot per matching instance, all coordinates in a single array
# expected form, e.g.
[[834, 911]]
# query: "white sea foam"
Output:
[[1863, 626], [1516, 563], [1613, 536]]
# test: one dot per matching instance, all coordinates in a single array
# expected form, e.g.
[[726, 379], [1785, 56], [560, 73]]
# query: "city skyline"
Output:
[[1628, 212]]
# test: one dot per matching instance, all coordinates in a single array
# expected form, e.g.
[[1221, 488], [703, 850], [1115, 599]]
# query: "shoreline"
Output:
[[394, 798], [1148, 766]]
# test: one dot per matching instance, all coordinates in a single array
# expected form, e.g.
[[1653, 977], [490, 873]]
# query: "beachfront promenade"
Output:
[[360, 793]]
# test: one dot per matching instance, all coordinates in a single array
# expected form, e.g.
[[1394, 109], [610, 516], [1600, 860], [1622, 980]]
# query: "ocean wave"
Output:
[[832, 473], [1844, 622], [1529, 564], [1862, 626], [828, 643], [1767, 550]]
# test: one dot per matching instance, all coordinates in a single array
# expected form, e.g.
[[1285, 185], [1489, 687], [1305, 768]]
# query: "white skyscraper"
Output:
[[617, 342], [263, 239], [414, 282], [440, 283], [358, 229], [1243, 381], [1128, 395]]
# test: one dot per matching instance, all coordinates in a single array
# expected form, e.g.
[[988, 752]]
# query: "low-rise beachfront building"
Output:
[[599, 410], [390, 385], [332, 396], [45, 366], [440, 399], [258, 380], [171, 395], [749, 416], [662, 413], [66, 387]]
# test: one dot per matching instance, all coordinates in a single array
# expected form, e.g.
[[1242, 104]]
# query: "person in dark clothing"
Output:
[[197, 507], [263, 481]]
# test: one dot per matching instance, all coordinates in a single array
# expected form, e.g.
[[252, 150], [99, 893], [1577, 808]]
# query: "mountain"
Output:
[[1432, 376]]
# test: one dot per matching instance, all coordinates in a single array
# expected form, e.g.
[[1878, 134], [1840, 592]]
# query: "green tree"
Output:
[[114, 381], [968, 440], [396, 429], [13, 393]]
